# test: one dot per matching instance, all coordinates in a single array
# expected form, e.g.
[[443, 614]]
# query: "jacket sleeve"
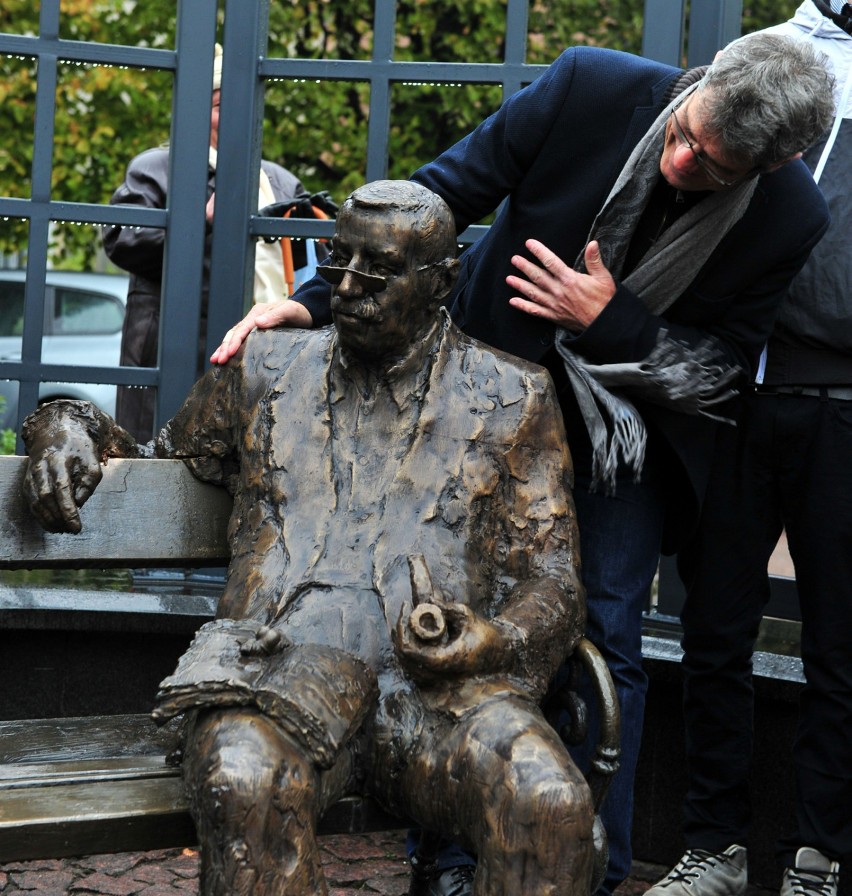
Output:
[[206, 430], [139, 250], [285, 185], [476, 174], [315, 295]]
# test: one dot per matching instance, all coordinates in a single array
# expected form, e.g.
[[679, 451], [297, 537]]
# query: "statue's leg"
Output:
[[255, 800], [505, 783]]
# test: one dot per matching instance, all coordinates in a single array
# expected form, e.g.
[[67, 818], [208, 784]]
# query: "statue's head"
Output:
[[392, 266]]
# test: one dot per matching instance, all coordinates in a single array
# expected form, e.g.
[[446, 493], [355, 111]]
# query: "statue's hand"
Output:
[[63, 470], [470, 644]]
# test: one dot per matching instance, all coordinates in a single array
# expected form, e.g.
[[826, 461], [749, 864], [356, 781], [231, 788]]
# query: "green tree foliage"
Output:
[[106, 115], [7, 436], [320, 130]]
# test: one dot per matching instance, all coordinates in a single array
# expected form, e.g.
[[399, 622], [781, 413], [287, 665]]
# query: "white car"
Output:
[[83, 315]]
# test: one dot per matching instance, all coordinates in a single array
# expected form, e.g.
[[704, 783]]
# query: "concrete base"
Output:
[[96, 654]]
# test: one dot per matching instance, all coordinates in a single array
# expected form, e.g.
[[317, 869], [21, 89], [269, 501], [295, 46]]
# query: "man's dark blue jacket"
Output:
[[552, 152]]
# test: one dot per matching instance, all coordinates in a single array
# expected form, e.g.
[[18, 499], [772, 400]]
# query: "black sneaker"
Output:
[[456, 881]]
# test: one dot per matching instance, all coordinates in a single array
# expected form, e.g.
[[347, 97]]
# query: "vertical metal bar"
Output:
[[663, 30], [180, 307], [39, 229], [515, 42], [45, 102], [378, 129], [238, 168], [712, 25], [517, 25]]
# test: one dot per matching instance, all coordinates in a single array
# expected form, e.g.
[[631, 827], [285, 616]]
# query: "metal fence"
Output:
[[246, 68]]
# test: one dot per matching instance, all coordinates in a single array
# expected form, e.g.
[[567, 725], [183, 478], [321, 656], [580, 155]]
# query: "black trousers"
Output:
[[140, 337], [787, 465], [134, 406]]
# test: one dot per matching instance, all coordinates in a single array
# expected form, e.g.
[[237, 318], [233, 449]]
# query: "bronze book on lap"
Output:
[[318, 694]]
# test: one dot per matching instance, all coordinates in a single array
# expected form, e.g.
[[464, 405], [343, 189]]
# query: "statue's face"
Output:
[[380, 324]]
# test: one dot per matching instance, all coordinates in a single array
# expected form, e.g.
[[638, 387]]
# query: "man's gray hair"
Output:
[[768, 97]]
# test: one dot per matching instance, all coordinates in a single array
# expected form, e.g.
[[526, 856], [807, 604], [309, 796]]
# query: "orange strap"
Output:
[[287, 251]]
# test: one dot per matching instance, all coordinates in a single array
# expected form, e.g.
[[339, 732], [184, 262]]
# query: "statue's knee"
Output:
[[236, 764], [555, 802], [568, 803]]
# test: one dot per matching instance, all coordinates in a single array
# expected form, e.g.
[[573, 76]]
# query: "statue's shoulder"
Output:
[[514, 400], [488, 362], [277, 348]]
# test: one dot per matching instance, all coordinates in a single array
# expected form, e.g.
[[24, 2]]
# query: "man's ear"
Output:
[[444, 275], [776, 165]]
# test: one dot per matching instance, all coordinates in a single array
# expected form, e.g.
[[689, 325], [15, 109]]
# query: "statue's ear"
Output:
[[444, 275]]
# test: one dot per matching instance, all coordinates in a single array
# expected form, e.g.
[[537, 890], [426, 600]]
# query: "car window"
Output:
[[78, 313], [11, 309]]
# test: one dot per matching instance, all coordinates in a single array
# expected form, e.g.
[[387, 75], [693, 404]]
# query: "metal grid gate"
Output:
[[246, 68]]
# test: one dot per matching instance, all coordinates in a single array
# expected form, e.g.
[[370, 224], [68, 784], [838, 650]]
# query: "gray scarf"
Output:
[[676, 375]]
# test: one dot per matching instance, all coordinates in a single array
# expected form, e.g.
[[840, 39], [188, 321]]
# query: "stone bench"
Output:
[[101, 783], [96, 779]]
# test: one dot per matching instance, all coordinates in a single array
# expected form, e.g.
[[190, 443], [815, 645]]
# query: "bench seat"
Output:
[[101, 784]]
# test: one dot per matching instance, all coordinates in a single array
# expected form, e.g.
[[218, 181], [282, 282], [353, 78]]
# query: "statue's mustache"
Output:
[[365, 309]]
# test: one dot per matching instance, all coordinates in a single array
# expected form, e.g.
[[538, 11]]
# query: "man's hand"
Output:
[[470, 645], [557, 292], [278, 314], [63, 471]]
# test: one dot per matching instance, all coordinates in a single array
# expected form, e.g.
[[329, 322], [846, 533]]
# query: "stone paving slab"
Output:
[[373, 863], [356, 865]]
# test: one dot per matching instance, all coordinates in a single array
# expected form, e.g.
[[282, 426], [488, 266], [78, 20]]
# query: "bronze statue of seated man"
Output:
[[403, 582]]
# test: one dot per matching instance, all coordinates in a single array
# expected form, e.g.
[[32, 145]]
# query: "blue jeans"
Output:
[[620, 539]]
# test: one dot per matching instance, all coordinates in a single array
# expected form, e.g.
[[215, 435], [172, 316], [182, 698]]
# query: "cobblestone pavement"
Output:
[[354, 866], [361, 865]]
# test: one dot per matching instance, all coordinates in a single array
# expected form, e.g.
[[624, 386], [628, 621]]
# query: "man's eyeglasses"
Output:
[[706, 165], [368, 282]]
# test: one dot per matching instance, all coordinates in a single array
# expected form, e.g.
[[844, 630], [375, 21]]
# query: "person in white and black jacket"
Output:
[[785, 466]]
